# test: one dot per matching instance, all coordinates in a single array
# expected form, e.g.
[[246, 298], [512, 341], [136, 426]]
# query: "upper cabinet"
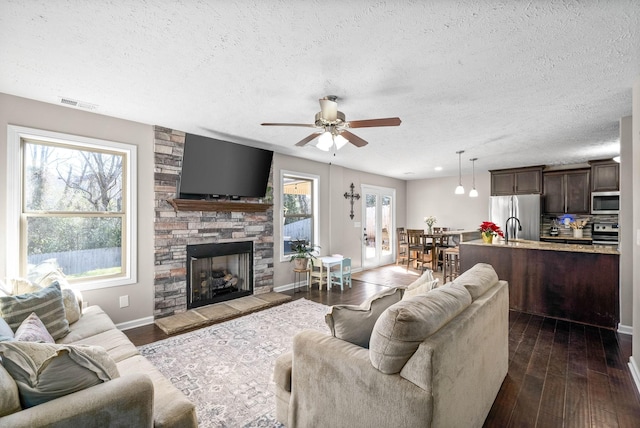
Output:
[[567, 191], [605, 175], [516, 181]]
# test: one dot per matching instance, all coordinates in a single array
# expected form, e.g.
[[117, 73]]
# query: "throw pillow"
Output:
[[46, 303], [354, 323], [45, 371], [5, 331], [32, 330], [401, 328], [422, 288], [72, 299], [23, 286]]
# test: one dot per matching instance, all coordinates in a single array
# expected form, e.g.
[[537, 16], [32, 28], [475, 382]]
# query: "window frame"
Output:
[[16, 242], [315, 202]]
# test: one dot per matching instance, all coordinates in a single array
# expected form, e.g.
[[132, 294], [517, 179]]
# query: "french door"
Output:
[[378, 231]]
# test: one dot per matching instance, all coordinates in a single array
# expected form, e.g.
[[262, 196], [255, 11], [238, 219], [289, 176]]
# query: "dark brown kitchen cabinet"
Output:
[[605, 175], [566, 192], [517, 181]]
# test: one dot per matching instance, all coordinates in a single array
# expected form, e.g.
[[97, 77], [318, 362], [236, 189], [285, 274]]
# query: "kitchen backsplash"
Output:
[[567, 232]]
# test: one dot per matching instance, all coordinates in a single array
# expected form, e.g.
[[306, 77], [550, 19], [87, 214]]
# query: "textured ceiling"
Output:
[[511, 83]]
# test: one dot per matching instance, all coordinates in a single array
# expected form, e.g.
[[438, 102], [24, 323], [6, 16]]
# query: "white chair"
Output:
[[341, 274], [318, 274]]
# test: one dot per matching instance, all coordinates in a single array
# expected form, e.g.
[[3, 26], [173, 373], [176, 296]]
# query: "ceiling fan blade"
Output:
[[329, 109], [389, 121], [305, 140], [306, 125], [354, 139]]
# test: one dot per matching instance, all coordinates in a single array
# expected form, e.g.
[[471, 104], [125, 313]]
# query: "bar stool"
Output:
[[401, 245], [451, 264]]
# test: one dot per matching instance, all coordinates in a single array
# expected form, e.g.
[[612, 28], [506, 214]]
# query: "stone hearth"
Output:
[[175, 229]]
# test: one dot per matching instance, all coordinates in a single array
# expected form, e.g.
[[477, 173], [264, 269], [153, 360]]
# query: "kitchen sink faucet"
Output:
[[506, 228]]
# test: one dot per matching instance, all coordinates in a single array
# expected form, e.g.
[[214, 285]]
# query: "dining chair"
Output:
[[341, 274], [401, 245], [415, 245]]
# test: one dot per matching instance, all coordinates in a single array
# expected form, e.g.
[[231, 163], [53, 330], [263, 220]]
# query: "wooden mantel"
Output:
[[221, 206]]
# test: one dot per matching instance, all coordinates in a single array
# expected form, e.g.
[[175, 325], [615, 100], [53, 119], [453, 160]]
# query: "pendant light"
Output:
[[460, 189], [473, 193]]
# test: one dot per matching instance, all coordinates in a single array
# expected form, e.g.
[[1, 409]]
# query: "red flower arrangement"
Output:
[[489, 228]]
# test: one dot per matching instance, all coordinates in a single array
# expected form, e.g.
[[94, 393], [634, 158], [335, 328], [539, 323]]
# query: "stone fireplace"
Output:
[[218, 272], [177, 227]]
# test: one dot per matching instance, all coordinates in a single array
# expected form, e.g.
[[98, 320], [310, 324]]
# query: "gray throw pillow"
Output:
[[45, 371], [354, 323], [46, 303], [401, 328]]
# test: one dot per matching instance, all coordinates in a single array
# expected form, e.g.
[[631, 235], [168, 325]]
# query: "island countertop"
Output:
[[549, 246], [575, 282]]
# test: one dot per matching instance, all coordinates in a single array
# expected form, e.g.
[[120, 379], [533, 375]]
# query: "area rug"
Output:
[[226, 369]]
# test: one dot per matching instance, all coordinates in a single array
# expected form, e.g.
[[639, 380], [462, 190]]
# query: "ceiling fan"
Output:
[[332, 126]]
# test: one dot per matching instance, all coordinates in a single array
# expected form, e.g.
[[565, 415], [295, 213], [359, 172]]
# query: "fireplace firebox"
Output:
[[218, 272]]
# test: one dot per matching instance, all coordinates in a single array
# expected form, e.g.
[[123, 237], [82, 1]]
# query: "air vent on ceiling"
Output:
[[79, 104]]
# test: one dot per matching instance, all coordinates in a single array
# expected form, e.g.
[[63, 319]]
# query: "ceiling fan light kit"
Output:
[[332, 126]]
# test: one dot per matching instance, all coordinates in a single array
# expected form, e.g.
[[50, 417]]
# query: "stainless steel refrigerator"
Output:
[[525, 207]]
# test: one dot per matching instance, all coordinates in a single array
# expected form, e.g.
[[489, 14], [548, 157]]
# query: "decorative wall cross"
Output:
[[351, 196]]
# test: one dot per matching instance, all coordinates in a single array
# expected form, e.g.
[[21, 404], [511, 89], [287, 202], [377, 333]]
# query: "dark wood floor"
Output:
[[561, 374]]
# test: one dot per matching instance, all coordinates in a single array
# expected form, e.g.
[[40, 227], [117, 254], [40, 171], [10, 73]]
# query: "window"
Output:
[[74, 207], [299, 209]]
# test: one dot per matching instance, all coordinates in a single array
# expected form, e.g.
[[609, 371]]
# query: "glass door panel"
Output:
[[378, 226]]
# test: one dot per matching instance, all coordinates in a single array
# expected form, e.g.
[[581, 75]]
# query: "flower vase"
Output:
[[429, 230], [487, 238], [577, 233]]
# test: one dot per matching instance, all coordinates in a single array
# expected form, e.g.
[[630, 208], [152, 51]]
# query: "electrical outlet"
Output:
[[124, 301]]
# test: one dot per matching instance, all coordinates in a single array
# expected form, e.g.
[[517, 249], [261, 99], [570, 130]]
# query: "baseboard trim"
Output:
[[635, 373], [625, 329], [285, 287], [127, 325]]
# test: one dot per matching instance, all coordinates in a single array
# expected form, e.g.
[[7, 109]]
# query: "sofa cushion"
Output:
[[32, 330], [46, 371], [354, 323], [9, 398], [478, 279], [5, 331], [403, 326], [46, 303], [93, 321]]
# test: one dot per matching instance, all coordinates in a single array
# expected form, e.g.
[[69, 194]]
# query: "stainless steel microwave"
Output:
[[605, 202]]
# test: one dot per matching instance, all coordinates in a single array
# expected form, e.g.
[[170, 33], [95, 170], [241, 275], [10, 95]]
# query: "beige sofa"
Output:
[[449, 378], [140, 397]]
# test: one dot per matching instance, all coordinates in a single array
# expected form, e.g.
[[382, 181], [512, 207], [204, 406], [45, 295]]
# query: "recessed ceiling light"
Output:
[[438, 168]]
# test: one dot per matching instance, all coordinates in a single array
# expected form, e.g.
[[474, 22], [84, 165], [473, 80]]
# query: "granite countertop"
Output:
[[550, 246]]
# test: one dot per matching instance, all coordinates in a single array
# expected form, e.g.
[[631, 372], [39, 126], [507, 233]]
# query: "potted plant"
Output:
[[489, 229], [302, 253]]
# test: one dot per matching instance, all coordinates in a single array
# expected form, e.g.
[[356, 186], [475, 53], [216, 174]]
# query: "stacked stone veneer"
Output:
[[174, 230]]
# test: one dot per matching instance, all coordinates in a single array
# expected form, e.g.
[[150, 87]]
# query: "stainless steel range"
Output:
[[605, 234]]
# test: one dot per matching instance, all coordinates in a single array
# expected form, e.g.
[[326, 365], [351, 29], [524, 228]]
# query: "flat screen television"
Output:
[[214, 168]]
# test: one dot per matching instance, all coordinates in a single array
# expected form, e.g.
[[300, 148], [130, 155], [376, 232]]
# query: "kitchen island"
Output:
[[565, 281]]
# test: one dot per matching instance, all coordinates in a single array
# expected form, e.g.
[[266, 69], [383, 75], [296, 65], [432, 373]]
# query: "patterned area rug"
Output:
[[226, 369]]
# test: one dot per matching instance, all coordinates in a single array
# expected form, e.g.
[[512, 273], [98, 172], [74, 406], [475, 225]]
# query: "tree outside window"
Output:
[[74, 209]]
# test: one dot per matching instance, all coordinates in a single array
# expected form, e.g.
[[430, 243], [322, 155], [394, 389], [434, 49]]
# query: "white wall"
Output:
[[34, 114], [435, 197], [635, 161], [626, 225]]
